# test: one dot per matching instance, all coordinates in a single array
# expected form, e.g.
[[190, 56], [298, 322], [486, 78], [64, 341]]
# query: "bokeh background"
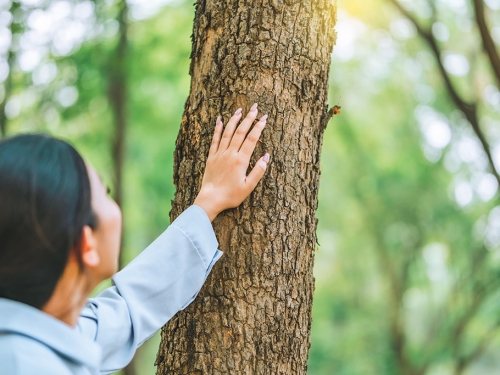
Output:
[[408, 260]]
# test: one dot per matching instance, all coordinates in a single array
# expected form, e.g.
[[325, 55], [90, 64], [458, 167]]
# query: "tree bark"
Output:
[[253, 316]]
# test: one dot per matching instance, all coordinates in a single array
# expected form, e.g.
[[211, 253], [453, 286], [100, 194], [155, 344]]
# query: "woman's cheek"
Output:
[[110, 227], [117, 233]]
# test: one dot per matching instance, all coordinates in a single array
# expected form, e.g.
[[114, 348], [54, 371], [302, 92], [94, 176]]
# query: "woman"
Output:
[[60, 237]]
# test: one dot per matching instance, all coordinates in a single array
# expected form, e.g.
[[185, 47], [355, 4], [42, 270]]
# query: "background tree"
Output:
[[254, 313], [427, 266], [15, 13]]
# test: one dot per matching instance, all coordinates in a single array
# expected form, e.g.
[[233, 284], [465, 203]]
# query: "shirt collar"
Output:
[[22, 319]]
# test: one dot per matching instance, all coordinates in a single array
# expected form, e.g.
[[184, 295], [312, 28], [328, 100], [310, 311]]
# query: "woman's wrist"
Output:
[[207, 204]]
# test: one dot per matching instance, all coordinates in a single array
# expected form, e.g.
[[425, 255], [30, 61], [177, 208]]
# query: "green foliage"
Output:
[[405, 282]]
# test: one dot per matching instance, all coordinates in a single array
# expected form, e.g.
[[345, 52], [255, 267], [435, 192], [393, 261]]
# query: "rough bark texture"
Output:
[[253, 316]]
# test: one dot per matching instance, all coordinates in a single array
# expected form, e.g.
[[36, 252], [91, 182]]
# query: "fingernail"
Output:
[[267, 157], [238, 112], [263, 118], [219, 119], [254, 107]]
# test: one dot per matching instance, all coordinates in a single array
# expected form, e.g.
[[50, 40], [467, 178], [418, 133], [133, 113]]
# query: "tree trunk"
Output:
[[117, 95], [253, 316]]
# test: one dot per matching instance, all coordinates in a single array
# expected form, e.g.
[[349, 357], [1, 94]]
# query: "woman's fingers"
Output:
[[229, 131], [257, 172], [242, 130], [217, 136], [253, 137]]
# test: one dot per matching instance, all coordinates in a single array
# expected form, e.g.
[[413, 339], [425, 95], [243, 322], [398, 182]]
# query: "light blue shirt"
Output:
[[163, 279]]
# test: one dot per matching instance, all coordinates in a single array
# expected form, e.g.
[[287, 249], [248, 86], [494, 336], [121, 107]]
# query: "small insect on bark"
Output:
[[335, 110]]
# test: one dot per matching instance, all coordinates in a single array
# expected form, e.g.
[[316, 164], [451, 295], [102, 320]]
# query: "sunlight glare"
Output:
[[495, 33], [463, 193], [84, 10], [40, 21], [440, 31], [434, 127], [29, 59], [13, 107], [469, 149], [436, 255], [485, 185], [4, 72], [5, 39], [44, 74], [456, 64], [493, 4], [349, 31], [67, 96], [492, 233], [492, 95], [459, 6], [403, 29], [143, 9]]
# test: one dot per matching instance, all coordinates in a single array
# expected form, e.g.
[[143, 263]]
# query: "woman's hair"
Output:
[[44, 205]]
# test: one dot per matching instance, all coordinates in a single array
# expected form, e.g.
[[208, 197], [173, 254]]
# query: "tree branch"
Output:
[[488, 43], [468, 109]]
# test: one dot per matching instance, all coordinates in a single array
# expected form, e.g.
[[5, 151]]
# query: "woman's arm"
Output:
[[167, 276], [162, 280]]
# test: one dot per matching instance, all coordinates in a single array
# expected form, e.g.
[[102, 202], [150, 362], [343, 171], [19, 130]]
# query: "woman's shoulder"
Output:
[[32, 342], [23, 355]]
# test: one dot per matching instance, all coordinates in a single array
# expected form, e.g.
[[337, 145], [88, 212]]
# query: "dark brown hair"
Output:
[[44, 205]]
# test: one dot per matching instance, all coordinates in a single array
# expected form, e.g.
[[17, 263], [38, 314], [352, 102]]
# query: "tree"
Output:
[[254, 313], [478, 281], [469, 108], [117, 94], [14, 28]]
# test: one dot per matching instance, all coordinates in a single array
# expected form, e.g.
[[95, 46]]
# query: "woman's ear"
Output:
[[90, 256]]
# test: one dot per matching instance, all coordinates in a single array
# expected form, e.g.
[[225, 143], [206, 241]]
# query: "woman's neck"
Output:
[[70, 295]]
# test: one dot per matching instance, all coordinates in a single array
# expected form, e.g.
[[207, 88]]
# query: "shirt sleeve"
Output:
[[163, 279]]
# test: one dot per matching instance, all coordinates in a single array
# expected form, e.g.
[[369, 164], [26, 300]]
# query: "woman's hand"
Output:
[[225, 182]]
